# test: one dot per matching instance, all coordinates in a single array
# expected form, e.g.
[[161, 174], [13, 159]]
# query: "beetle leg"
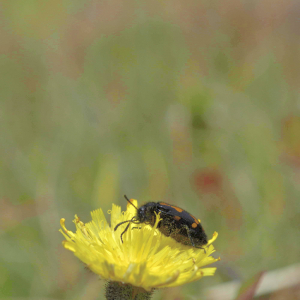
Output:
[[136, 227], [201, 248], [133, 220], [116, 227], [125, 231]]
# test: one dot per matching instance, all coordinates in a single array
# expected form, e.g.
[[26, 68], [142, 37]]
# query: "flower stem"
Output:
[[119, 291]]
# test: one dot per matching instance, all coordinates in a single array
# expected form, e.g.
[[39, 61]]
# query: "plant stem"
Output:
[[119, 291]]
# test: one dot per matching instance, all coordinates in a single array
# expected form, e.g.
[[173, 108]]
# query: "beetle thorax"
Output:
[[146, 212]]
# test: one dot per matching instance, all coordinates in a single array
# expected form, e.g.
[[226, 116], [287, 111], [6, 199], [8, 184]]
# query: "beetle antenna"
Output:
[[130, 201]]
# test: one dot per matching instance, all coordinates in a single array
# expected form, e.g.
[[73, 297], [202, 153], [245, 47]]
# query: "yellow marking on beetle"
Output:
[[177, 208], [194, 225], [177, 218]]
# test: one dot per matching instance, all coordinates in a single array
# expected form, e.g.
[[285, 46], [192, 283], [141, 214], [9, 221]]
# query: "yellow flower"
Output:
[[147, 258]]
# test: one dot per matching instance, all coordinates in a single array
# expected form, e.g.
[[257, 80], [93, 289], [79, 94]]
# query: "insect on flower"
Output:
[[163, 262], [175, 222]]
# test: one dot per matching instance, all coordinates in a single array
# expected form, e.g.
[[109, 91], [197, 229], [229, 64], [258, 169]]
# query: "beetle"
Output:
[[175, 222]]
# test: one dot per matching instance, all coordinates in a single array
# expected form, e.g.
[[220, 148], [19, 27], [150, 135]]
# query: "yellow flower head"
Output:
[[146, 258]]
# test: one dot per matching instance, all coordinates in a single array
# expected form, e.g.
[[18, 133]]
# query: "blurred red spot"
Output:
[[208, 180]]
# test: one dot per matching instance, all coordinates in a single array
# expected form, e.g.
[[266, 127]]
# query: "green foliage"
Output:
[[182, 104]]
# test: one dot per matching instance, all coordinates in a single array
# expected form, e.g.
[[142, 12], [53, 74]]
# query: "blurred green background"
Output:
[[191, 102]]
